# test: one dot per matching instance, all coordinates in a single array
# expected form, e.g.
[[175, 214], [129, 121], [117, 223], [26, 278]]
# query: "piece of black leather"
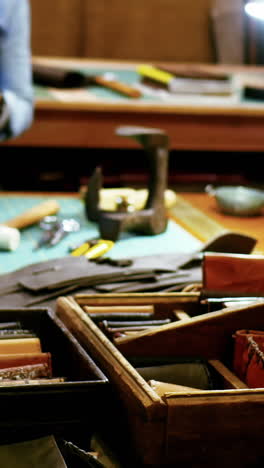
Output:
[[26, 298], [76, 270], [159, 282]]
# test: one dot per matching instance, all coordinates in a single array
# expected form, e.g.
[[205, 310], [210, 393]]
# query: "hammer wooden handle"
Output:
[[34, 214], [121, 88]]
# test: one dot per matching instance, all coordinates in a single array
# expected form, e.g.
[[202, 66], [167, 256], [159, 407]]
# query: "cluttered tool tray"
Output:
[[219, 422], [66, 400]]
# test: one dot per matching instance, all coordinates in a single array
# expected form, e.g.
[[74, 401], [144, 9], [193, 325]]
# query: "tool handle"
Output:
[[118, 86], [34, 214], [155, 74]]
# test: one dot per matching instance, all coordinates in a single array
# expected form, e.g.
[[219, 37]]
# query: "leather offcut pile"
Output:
[[41, 283]]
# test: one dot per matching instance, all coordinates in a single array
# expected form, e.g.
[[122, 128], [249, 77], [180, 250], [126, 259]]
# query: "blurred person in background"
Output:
[[16, 87]]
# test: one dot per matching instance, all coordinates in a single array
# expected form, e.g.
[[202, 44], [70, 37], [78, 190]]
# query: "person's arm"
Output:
[[15, 68]]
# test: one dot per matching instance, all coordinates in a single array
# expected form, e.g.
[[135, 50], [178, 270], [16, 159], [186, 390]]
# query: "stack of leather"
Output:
[[22, 360], [41, 283]]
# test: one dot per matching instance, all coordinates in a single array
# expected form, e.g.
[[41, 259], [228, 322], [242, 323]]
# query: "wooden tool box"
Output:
[[218, 427]]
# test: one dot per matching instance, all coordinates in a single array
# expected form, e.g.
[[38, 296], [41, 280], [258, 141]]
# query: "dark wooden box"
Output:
[[69, 409]]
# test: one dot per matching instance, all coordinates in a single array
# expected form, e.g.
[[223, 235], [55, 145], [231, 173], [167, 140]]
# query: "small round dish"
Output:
[[238, 200]]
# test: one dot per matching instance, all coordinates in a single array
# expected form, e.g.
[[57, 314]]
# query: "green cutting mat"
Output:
[[174, 239], [129, 77]]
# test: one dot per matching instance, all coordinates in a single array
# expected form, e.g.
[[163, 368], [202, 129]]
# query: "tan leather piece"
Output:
[[163, 387], [20, 345]]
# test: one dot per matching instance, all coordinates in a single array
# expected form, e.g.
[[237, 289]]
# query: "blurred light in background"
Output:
[[255, 8]]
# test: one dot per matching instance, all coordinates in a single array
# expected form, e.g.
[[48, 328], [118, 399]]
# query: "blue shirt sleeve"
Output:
[[15, 64]]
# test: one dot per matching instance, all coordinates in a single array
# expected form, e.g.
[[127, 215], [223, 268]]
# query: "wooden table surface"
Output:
[[199, 214], [190, 124], [194, 211]]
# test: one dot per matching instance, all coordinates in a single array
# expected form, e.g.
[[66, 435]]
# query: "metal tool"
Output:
[[152, 218], [63, 228], [56, 229], [47, 225], [238, 200]]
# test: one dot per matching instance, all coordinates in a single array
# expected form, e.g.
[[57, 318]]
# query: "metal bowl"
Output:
[[238, 200]]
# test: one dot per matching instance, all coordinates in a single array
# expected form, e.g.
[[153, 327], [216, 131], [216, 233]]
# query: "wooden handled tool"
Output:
[[60, 77], [34, 214], [117, 86]]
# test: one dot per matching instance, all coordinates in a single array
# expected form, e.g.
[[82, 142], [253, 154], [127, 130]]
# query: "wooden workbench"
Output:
[[217, 125], [199, 214], [196, 213]]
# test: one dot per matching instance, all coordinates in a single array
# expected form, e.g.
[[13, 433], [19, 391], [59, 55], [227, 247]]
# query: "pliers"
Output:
[[93, 248]]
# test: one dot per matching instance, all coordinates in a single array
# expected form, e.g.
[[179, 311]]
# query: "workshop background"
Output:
[[169, 30]]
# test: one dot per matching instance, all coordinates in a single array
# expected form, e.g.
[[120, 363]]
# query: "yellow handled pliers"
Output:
[[93, 249]]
